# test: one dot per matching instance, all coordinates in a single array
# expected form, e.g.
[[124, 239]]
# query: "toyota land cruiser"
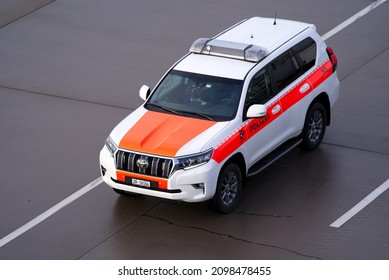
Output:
[[226, 110]]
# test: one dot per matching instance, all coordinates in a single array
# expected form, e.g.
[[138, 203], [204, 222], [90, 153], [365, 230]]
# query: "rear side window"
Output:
[[293, 63], [305, 52], [284, 70]]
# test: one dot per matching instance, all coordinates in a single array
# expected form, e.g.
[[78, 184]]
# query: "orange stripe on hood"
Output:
[[162, 134]]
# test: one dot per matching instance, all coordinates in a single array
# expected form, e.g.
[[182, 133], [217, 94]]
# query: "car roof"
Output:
[[257, 31], [263, 32]]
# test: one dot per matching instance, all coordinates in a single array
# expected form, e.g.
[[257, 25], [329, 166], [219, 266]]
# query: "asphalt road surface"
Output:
[[70, 70]]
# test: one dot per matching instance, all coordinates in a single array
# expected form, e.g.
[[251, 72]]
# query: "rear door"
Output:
[[295, 105]]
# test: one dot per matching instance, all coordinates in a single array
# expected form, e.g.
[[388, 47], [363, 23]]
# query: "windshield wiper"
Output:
[[181, 113], [203, 116], [165, 109]]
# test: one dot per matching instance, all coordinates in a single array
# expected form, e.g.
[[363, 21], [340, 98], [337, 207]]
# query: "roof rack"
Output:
[[229, 49]]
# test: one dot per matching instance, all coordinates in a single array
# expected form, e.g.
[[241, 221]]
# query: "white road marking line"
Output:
[[50, 211], [352, 19], [362, 204], [99, 180]]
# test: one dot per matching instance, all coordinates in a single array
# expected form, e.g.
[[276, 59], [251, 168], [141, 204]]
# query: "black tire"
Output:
[[228, 189], [314, 127]]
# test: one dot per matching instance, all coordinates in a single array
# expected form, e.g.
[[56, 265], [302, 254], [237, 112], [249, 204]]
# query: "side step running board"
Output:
[[273, 156]]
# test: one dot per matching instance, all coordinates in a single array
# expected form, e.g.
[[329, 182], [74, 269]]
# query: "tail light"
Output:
[[333, 58]]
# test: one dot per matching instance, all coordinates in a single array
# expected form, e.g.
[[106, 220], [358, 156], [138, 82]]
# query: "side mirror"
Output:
[[144, 92], [256, 111]]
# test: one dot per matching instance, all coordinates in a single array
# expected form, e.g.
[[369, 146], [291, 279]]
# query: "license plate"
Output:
[[140, 183]]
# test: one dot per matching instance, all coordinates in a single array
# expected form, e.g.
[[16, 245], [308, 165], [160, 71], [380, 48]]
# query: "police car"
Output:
[[226, 110]]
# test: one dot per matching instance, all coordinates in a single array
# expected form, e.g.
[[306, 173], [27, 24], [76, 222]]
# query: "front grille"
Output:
[[143, 164]]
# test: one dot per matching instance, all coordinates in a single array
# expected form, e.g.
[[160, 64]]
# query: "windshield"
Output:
[[196, 95]]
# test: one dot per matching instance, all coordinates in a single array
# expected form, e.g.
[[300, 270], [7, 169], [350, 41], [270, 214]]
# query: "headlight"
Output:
[[192, 161], [111, 146]]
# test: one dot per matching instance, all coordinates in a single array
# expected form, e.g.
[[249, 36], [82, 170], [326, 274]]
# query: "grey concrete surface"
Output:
[[12, 10], [71, 70]]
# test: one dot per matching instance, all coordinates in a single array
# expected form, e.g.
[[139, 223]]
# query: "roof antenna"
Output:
[[275, 20]]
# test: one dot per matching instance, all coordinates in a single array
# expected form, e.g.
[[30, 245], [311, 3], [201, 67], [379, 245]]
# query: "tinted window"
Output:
[[284, 71], [306, 53], [260, 90]]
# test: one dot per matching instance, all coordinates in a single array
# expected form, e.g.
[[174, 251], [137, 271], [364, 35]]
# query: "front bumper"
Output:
[[193, 185]]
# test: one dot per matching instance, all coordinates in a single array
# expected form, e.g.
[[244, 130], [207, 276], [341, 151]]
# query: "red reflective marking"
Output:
[[246, 131]]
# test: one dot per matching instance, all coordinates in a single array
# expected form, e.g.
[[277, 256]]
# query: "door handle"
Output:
[[276, 109], [304, 88]]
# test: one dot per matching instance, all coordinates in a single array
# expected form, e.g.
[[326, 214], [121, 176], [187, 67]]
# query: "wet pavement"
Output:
[[71, 70]]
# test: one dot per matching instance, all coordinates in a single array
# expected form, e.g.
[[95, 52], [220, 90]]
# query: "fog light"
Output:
[[199, 186]]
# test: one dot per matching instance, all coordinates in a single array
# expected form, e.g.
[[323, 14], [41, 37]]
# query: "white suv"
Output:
[[226, 110]]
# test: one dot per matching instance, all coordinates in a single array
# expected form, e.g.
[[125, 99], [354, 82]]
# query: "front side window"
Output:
[[196, 95], [260, 89]]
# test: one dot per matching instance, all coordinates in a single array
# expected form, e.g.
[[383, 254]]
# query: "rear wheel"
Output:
[[314, 127], [228, 190]]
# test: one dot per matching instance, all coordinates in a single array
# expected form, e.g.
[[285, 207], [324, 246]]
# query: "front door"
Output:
[[264, 133]]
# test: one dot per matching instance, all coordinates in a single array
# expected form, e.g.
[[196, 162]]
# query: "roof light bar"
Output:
[[255, 53], [198, 45], [229, 49]]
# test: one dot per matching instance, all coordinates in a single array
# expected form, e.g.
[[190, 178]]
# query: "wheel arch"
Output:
[[239, 160], [323, 99]]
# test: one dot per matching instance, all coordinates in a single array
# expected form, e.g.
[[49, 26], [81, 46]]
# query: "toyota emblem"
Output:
[[142, 163]]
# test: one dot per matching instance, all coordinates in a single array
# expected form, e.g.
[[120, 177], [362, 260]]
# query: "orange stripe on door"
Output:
[[162, 134]]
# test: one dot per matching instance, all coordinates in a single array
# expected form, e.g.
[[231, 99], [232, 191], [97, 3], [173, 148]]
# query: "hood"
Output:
[[164, 134]]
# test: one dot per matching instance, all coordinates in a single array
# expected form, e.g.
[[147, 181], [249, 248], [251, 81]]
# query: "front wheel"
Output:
[[314, 127], [228, 189]]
